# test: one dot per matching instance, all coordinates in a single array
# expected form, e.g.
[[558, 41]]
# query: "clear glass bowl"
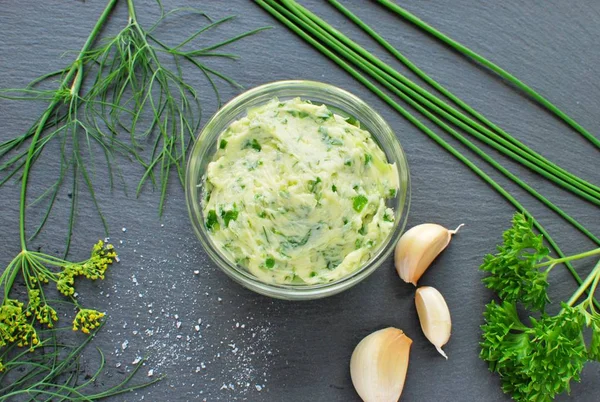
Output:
[[340, 102]]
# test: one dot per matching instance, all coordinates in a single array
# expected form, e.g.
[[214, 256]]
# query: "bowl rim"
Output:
[[296, 291]]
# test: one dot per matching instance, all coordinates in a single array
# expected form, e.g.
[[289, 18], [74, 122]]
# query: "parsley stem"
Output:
[[41, 125], [593, 290], [554, 261], [586, 284]]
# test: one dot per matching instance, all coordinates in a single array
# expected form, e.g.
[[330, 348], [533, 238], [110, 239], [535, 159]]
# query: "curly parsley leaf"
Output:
[[513, 272], [536, 362], [594, 349]]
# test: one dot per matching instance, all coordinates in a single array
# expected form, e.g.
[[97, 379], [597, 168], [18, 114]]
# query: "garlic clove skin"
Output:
[[434, 316], [417, 249], [378, 365]]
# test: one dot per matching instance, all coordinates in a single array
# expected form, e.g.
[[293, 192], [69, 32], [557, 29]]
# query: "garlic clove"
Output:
[[378, 365], [417, 249], [434, 316]]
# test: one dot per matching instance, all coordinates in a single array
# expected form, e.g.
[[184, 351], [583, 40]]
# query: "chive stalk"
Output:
[[495, 68], [277, 11], [440, 88], [302, 19], [501, 141]]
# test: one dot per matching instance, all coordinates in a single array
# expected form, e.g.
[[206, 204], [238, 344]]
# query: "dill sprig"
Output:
[[18, 318], [108, 89], [537, 361], [130, 83], [56, 372], [132, 78]]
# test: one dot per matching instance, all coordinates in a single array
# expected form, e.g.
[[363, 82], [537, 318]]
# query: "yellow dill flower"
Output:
[[101, 257], [87, 320]]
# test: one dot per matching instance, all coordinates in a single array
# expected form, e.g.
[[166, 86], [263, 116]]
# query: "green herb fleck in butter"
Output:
[[297, 194]]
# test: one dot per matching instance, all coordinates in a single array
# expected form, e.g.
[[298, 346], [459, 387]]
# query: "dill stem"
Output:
[[133, 16], [586, 284], [11, 273], [70, 75], [554, 261]]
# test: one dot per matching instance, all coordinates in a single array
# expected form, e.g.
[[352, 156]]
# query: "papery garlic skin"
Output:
[[434, 316], [378, 365], [417, 249]]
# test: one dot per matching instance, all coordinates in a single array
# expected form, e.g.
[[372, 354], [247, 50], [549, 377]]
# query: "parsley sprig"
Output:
[[536, 362]]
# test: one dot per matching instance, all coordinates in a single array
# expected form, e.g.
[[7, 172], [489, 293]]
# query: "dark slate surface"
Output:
[[300, 351]]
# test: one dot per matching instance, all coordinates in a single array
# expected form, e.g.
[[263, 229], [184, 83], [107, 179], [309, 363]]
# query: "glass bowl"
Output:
[[340, 102]]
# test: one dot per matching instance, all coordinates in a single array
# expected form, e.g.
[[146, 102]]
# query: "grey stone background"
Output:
[[249, 347]]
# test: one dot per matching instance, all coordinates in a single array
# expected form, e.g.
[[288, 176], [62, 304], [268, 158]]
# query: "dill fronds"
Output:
[[132, 83], [109, 88]]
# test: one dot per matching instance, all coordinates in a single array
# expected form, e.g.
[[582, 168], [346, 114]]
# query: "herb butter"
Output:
[[297, 194]]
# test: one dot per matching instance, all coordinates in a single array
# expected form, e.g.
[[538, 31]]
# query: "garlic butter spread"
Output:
[[297, 194]]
